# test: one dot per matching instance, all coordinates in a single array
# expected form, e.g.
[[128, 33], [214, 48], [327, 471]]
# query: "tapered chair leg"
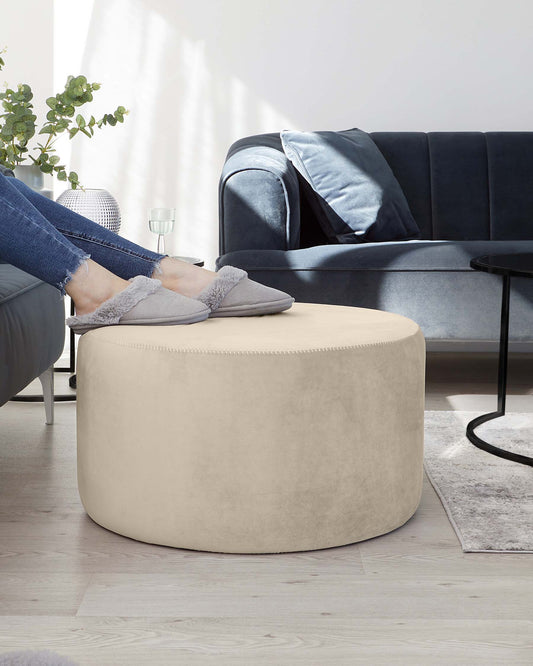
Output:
[[47, 382]]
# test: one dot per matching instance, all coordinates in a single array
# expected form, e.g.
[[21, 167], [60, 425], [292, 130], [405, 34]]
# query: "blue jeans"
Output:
[[51, 242]]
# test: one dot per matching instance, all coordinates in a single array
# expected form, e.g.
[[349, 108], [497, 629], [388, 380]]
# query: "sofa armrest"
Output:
[[259, 200]]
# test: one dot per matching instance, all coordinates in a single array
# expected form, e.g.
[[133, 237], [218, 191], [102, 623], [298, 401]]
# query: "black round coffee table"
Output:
[[506, 265]]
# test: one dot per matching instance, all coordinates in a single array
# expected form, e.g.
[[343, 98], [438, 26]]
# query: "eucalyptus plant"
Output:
[[18, 124]]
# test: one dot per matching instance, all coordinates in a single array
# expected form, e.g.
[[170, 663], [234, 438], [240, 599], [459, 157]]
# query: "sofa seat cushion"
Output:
[[32, 329], [430, 282], [394, 256]]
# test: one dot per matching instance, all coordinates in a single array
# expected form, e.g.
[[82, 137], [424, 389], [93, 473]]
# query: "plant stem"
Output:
[[47, 145]]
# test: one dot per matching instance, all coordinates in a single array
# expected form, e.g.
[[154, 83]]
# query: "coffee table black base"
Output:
[[490, 448], [39, 398], [502, 376]]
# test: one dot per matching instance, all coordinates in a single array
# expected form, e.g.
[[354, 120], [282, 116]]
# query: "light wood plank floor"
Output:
[[409, 597]]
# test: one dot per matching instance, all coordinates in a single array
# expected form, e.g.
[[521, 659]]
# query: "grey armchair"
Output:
[[32, 334]]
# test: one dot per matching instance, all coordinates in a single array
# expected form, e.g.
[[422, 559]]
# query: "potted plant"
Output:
[[18, 124]]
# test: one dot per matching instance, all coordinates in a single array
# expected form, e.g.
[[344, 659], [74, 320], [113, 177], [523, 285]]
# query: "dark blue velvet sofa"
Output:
[[471, 193]]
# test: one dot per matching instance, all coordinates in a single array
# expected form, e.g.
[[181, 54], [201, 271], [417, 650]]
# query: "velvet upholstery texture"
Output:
[[207, 436], [32, 329], [470, 194]]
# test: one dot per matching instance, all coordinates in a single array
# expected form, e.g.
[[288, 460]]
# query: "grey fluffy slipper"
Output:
[[233, 294], [145, 302]]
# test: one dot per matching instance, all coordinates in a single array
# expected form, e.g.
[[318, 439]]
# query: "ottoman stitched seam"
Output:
[[228, 352]]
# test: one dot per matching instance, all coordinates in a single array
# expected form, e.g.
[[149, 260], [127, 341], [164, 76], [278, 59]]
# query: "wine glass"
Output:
[[161, 221]]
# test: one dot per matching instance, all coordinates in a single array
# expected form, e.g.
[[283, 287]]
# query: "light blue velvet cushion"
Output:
[[358, 199]]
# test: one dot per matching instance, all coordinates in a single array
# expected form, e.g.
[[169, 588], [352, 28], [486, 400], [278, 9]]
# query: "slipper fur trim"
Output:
[[214, 293], [113, 309]]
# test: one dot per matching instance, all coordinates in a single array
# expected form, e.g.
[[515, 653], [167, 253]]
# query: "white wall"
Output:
[[196, 75], [29, 57]]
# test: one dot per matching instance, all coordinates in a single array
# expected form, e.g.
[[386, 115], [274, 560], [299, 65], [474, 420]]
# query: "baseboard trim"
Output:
[[481, 346]]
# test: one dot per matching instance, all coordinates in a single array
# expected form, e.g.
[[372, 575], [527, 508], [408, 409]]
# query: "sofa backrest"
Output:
[[459, 185], [465, 185]]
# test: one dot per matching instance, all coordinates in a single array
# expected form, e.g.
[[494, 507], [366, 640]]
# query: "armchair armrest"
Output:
[[259, 199]]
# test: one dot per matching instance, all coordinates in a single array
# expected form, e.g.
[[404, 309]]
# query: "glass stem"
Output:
[[160, 244]]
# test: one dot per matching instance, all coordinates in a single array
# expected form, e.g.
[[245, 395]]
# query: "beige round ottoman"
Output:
[[285, 432]]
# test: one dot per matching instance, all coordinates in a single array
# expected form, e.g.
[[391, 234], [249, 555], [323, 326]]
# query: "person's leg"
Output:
[[91, 285], [126, 260], [119, 255], [31, 243], [122, 257]]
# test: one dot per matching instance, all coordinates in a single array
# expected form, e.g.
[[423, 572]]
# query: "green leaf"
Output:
[[25, 91], [51, 102], [62, 124], [62, 175], [80, 121]]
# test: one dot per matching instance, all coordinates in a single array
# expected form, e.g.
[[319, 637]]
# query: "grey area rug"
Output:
[[489, 500]]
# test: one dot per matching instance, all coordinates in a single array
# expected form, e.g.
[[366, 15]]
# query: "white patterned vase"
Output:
[[97, 205]]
